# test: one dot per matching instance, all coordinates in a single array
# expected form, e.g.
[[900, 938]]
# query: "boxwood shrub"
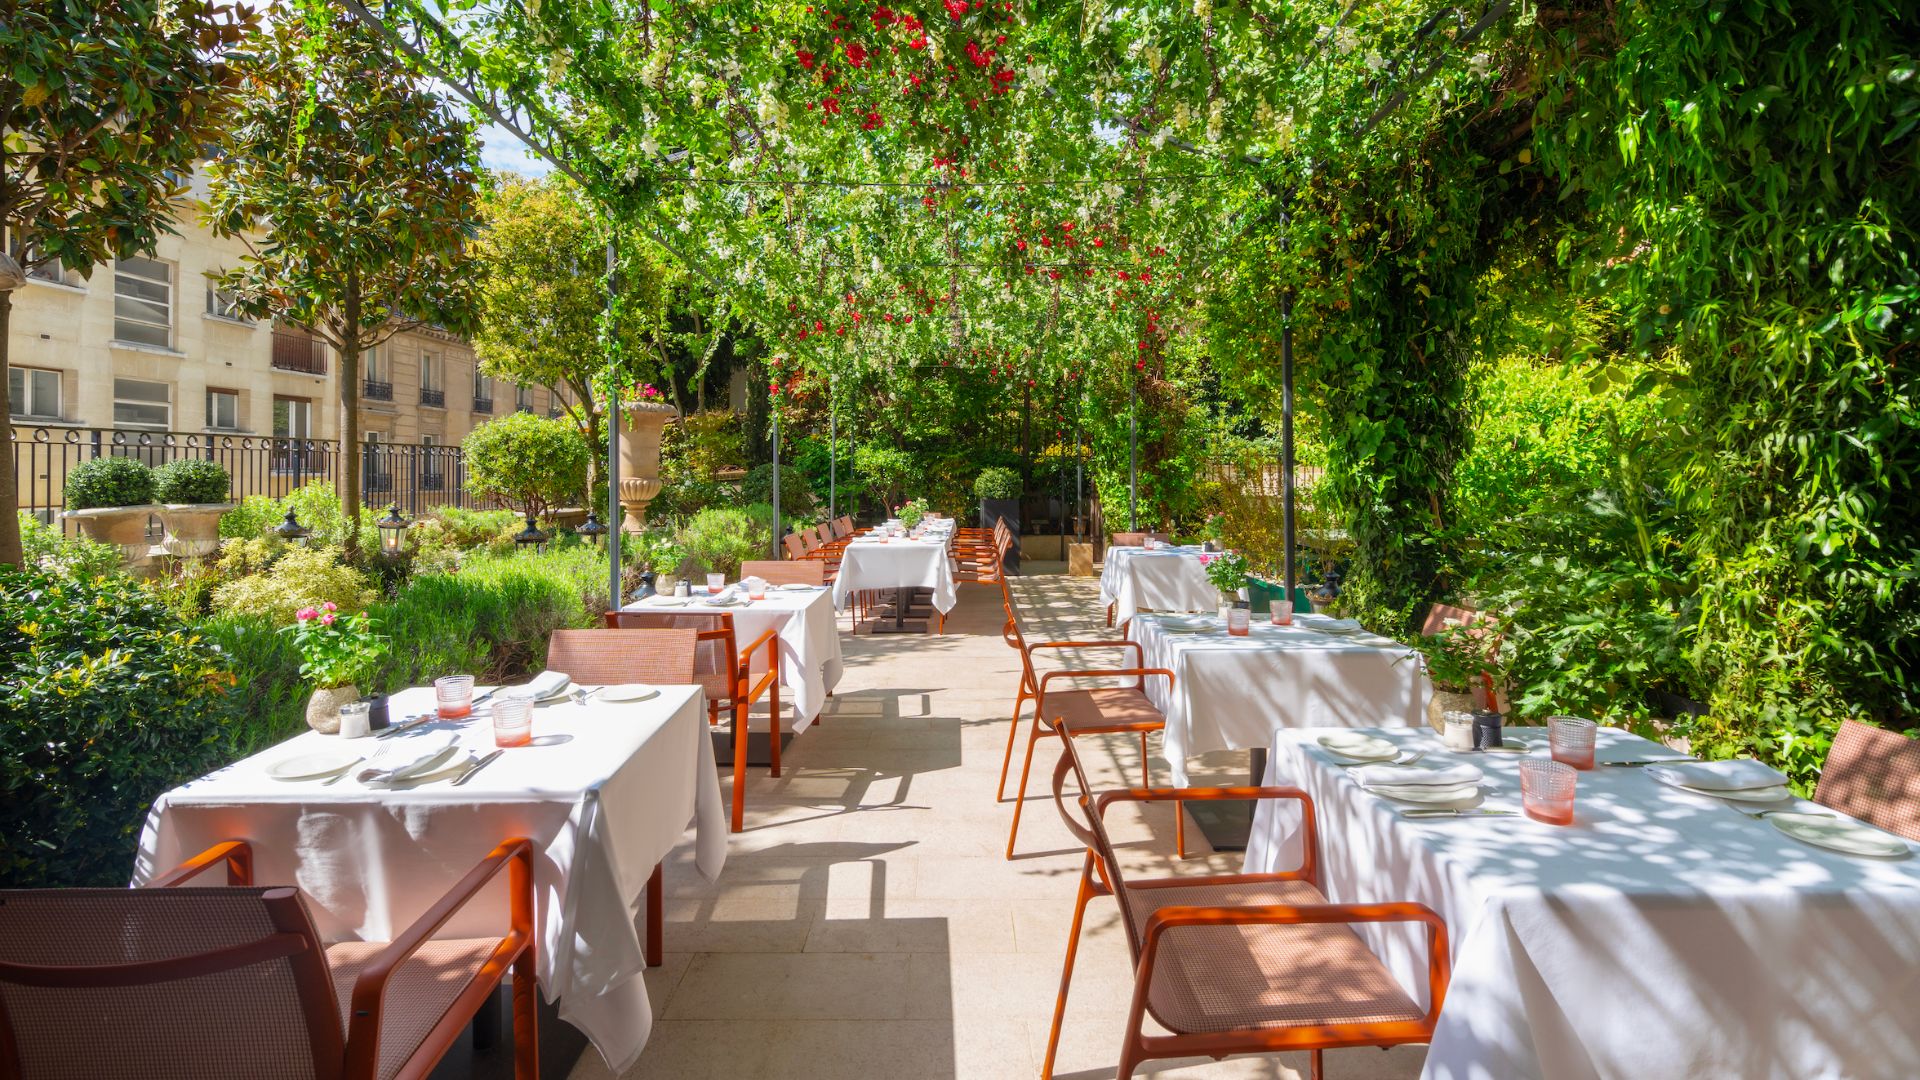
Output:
[[192, 480], [108, 481]]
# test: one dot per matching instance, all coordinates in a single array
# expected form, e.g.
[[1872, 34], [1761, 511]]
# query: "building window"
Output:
[[523, 398], [222, 305], [142, 404], [24, 253], [370, 367], [292, 418], [35, 394], [223, 410], [430, 372], [143, 302]]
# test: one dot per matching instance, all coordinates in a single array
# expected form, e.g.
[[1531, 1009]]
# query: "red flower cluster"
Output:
[[956, 9], [805, 58], [980, 57], [856, 54]]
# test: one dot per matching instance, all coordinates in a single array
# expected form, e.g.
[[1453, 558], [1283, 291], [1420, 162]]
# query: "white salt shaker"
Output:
[[356, 719]]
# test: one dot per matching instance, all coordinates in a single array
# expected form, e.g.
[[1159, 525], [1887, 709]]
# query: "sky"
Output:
[[502, 151]]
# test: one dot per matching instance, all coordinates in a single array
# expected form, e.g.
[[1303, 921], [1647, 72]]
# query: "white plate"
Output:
[[1426, 794], [1359, 747], [796, 587], [1765, 794], [625, 692], [315, 765], [1839, 834]]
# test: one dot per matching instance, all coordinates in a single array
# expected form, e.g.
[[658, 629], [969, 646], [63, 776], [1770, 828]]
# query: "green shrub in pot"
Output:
[[192, 481], [108, 482], [997, 483]]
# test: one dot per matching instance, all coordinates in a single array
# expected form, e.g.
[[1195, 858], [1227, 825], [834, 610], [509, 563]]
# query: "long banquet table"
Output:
[[1233, 693], [1660, 935], [1134, 579], [604, 794], [803, 621]]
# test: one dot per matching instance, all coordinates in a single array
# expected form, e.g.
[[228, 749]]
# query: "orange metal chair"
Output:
[[786, 571], [1105, 711], [725, 672], [1873, 774], [1240, 963], [235, 982]]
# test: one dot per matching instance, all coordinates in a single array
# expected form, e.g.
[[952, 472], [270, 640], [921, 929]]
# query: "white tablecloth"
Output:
[[810, 663], [895, 564], [1170, 579], [605, 794], [1660, 935], [1233, 693]]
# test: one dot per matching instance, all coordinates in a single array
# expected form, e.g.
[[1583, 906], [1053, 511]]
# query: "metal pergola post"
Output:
[[1286, 426], [775, 409], [615, 523], [1133, 450], [833, 451]]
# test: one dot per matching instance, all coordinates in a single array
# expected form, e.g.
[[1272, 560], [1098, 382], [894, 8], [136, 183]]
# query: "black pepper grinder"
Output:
[[1486, 730]]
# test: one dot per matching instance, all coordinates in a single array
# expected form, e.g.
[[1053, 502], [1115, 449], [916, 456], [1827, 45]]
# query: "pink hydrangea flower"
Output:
[[327, 619], [306, 613], [329, 606]]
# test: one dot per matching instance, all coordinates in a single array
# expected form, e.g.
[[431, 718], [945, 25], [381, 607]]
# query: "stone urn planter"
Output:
[[193, 529], [1445, 701], [125, 527], [323, 708], [641, 423]]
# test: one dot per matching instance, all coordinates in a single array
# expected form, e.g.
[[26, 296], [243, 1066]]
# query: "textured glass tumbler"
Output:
[[1546, 790], [512, 721], [1571, 740], [453, 694]]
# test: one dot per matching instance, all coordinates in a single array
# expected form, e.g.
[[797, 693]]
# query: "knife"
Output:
[[1475, 812], [423, 718], [1647, 761], [484, 696], [476, 767]]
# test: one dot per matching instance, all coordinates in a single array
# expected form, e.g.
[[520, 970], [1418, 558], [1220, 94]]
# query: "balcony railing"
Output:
[[435, 398], [483, 405], [376, 391], [294, 350]]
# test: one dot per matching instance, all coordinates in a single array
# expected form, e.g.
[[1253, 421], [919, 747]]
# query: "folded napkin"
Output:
[[1342, 626], [1456, 775], [1742, 774], [409, 755], [544, 685]]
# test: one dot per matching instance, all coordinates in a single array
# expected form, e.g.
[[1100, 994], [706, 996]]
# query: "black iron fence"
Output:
[[416, 477]]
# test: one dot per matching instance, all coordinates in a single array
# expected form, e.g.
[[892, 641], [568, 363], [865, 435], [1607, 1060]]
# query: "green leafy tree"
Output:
[[104, 110], [355, 189], [528, 462]]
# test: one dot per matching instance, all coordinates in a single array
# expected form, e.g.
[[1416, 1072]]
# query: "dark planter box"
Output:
[[992, 510]]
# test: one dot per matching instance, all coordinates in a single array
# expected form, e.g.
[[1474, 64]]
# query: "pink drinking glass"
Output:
[[1571, 740], [1546, 790], [512, 721], [453, 696]]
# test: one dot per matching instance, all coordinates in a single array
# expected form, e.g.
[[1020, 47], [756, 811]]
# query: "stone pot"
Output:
[[124, 527], [641, 423], [567, 517], [1445, 701], [323, 708], [193, 529]]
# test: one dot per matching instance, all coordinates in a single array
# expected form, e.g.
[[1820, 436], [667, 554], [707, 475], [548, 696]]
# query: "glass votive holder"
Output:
[[356, 719], [1570, 739], [512, 721], [716, 582], [1546, 790], [1457, 730], [453, 694], [1239, 618]]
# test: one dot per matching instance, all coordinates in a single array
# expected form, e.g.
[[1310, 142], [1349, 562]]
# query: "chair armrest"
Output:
[[237, 854], [1309, 828], [1139, 651], [743, 679], [1096, 673], [1438, 960], [369, 990]]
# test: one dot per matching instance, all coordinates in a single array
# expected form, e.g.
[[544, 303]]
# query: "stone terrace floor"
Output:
[[867, 924]]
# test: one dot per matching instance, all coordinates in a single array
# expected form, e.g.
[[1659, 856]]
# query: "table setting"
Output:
[[1158, 578], [1615, 907], [802, 618], [603, 779], [895, 556]]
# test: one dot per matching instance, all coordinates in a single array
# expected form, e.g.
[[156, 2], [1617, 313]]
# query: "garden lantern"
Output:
[[531, 538], [591, 528], [290, 529], [393, 531]]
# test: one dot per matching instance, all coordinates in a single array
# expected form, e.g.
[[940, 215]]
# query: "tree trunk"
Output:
[[591, 430], [350, 415], [10, 553]]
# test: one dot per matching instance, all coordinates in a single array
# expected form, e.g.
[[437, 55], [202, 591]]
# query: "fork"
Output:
[[1405, 758]]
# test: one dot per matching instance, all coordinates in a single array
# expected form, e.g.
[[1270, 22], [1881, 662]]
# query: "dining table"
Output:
[[802, 619], [1663, 933], [879, 561], [605, 790], [1234, 692], [1162, 578]]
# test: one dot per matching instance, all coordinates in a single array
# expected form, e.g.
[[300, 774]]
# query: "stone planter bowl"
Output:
[[323, 708], [193, 529], [125, 527]]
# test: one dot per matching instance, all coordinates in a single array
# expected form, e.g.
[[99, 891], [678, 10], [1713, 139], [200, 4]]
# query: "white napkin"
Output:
[[544, 685], [407, 755], [1742, 774], [1455, 775], [1341, 626]]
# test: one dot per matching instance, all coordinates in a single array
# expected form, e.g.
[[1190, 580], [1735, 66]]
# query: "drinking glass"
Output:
[[356, 719], [1571, 740], [1238, 618], [1546, 790], [512, 721], [756, 588], [716, 582], [454, 695]]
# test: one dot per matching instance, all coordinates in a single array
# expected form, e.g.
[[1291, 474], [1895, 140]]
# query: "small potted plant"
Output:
[[110, 499], [336, 651], [1228, 572], [192, 493], [1462, 662], [998, 489], [913, 513]]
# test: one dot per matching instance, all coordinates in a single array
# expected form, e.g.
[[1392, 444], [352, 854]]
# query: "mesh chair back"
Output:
[[840, 527], [790, 572], [651, 653], [821, 535], [165, 984], [1873, 774], [1073, 796], [794, 547], [1136, 539]]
